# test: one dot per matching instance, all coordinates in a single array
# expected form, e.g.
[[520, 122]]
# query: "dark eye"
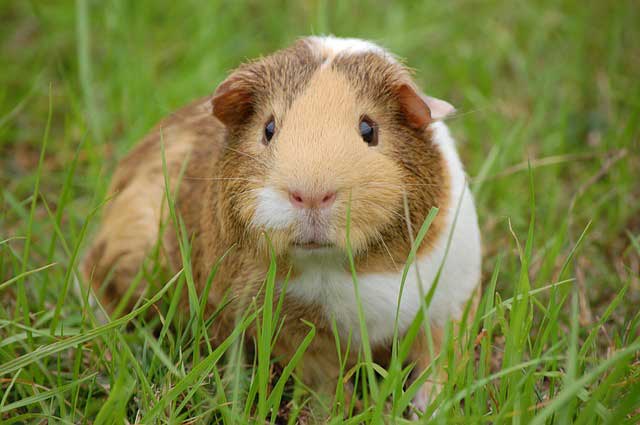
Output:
[[369, 131], [269, 130]]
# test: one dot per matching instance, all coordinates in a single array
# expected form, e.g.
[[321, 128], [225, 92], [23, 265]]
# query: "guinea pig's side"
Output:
[[135, 218]]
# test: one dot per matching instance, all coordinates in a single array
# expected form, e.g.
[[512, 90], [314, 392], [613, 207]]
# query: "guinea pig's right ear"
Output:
[[420, 109], [232, 101], [440, 109]]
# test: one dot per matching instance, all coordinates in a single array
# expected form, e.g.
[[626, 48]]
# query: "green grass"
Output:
[[549, 129]]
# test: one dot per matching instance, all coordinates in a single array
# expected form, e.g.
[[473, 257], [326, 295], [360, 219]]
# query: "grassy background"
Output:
[[551, 84]]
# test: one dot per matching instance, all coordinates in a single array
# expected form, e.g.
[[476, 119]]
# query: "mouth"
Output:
[[312, 245]]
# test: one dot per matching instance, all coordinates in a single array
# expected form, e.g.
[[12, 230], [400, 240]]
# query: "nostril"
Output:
[[328, 199], [296, 198]]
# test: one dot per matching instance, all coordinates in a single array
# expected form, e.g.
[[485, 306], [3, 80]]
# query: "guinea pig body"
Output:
[[326, 147]]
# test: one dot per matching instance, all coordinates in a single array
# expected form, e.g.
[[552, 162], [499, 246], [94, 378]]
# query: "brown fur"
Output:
[[317, 146]]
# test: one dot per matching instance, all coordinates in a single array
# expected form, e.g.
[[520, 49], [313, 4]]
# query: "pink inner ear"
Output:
[[439, 108], [415, 108]]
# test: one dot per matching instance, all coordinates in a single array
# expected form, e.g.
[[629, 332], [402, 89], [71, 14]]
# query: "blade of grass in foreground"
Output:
[[410, 259], [64, 344], [45, 394], [199, 371], [114, 408], [60, 211], [520, 317], [22, 295], [276, 394], [69, 274], [265, 336], [394, 381], [183, 243], [575, 386], [25, 274], [364, 336]]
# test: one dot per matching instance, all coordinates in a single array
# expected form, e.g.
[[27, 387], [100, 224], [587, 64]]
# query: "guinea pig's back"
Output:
[[136, 205], [192, 128]]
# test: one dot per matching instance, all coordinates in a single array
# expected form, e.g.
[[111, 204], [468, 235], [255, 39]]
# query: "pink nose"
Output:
[[300, 199]]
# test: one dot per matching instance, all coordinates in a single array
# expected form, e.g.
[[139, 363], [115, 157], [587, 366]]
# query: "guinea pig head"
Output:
[[328, 146]]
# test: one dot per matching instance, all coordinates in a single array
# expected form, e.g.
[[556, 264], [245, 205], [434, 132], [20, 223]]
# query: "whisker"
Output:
[[423, 184], [384, 244], [258, 160], [458, 114], [380, 184], [223, 178], [400, 187], [367, 201], [381, 206]]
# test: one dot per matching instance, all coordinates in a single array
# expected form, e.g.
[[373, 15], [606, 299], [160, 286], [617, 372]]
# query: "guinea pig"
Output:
[[290, 152]]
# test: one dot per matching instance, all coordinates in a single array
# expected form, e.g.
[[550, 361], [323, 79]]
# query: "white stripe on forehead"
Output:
[[332, 46]]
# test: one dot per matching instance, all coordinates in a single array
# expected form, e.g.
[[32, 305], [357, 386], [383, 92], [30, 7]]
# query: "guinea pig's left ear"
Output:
[[421, 109], [232, 101]]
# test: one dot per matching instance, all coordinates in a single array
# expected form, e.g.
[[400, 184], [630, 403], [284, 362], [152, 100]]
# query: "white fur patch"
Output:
[[337, 45], [273, 209], [324, 281]]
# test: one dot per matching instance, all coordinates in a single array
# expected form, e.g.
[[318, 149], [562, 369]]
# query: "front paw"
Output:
[[423, 398]]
